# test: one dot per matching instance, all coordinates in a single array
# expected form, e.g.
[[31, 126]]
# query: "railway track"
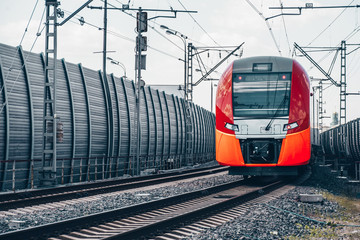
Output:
[[147, 219], [197, 226], [48, 195], [170, 218], [229, 213]]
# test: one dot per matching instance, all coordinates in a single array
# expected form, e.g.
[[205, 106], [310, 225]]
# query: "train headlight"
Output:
[[232, 127], [290, 126]]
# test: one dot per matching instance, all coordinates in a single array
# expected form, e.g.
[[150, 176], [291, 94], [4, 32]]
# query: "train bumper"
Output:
[[228, 151], [264, 171], [295, 150]]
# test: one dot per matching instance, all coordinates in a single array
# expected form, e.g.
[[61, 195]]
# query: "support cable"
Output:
[[329, 25], [38, 34], [350, 35], [286, 34], [267, 24], [316, 64], [200, 61], [217, 65], [23, 37], [82, 21], [333, 62], [152, 27], [199, 24], [352, 51], [28, 24], [120, 36], [201, 29]]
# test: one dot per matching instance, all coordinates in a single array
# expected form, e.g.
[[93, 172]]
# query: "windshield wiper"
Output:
[[276, 113], [267, 128]]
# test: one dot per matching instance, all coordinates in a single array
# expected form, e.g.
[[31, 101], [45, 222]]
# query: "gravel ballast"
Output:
[[283, 218], [277, 219], [288, 218], [106, 202]]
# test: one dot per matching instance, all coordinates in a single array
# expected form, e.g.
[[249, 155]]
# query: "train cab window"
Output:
[[261, 95]]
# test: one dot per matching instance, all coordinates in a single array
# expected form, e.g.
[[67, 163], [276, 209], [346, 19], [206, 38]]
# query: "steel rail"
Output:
[[200, 223], [70, 225], [44, 231], [23, 199], [196, 214]]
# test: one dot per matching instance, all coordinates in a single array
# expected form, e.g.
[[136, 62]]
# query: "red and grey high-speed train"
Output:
[[263, 117]]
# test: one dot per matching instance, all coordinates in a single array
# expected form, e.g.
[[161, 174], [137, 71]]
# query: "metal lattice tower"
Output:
[[49, 107], [188, 87], [343, 84], [321, 117]]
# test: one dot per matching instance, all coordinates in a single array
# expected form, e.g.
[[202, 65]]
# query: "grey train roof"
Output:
[[279, 64]]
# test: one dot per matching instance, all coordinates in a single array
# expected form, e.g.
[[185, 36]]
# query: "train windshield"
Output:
[[261, 95]]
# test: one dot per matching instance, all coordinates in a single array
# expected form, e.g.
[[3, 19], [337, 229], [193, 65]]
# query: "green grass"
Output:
[[348, 214]]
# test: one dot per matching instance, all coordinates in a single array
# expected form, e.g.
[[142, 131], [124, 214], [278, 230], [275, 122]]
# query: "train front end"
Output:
[[262, 117]]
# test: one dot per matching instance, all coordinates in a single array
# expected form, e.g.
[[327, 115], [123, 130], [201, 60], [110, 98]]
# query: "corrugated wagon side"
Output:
[[99, 124]]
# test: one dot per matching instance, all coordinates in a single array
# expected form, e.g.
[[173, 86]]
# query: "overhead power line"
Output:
[[152, 27], [217, 65], [267, 24], [286, 34], [199, 24], [332, 22], [32, 14], [23, 36], [158, 32], [350, 35], [16, 52], [113, 33], [81, 20]]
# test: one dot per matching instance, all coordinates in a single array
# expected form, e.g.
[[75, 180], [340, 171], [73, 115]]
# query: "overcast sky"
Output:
[[226, 23]]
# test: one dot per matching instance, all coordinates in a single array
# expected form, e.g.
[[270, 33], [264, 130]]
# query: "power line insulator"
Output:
[[60, 13], [82, 21]]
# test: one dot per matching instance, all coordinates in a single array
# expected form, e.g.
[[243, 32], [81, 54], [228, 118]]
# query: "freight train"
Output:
[[99, 126], [343, 143], [263, 117]]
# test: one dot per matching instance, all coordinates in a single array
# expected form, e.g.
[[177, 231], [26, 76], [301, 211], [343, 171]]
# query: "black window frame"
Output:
[[270, 115]]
